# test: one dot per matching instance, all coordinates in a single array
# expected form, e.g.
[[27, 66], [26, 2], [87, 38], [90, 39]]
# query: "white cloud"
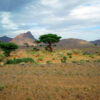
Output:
[[68, 18], [86, 12], [6, 21]]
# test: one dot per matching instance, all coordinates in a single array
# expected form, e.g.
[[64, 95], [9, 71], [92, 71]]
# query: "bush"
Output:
[[91, 55], [70, 56], [17, 61], [8, 48], [40, 58], [76, 51], [74, 61], [81, 61], [2, 57], [69, 53], [35, 49], [63, 60], [86, 53], [1, 88], [48, 62], [87, 60]]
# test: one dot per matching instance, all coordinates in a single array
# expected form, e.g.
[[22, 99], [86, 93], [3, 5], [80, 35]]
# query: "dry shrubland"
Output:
[[49, 78]]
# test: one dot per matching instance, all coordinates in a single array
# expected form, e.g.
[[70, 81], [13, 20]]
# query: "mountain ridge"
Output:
[[24, 38], [5, 39], [97, 42]]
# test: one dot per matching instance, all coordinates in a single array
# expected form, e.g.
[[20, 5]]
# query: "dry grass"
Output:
[[70, 81], [43, 56], [50, 82]]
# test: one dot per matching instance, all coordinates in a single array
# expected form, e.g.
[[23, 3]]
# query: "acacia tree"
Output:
[[49, 39], [8, 48]]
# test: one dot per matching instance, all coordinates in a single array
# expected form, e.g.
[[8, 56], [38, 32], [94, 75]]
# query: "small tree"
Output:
[[8, 48], [49, 39]]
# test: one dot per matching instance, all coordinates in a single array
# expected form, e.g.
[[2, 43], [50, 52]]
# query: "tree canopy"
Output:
[[49, 39], [8, 47]]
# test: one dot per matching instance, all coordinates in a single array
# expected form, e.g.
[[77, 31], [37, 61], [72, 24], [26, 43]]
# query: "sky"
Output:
[[66, 18]]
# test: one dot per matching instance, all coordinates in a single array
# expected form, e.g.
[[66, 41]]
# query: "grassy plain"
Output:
[[77, 80]]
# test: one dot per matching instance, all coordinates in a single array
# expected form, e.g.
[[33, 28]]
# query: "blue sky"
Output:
[[68, 18]]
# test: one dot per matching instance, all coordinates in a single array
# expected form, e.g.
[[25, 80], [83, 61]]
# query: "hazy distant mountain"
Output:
[[5, 39], [97, 42], [74, 43], [24, 38]]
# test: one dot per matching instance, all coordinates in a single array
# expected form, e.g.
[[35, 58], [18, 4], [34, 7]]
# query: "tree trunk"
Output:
[[50, 47]]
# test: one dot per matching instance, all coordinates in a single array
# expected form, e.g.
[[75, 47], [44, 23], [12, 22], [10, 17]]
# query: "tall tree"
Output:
[[49, 39]]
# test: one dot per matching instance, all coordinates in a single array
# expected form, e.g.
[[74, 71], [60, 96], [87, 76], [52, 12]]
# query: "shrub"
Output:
[[69, 53], [70, 56], [76, 51], [17, 61], [91, 55], [1, 88], [63, 60], [48, 62], [8, 48], [2, 57], [87, 60], [35, 49], [81, 61], [28, 98], [40, 58], [61, 54], [86, 53], [74, 61], [52, 53]]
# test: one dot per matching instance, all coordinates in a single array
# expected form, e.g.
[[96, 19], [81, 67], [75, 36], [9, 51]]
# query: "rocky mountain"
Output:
[[74, 43], [97, 42], [25, 38], [5, 39]]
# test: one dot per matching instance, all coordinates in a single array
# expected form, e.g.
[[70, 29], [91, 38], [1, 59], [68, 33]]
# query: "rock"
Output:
[[22, 63]]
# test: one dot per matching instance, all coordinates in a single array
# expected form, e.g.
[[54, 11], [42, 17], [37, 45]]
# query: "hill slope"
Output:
[[96, 42], [24, 38], [74, 43], [5, 39]]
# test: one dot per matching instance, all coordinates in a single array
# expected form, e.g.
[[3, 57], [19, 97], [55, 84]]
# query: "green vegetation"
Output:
[[8, 48], [75, 51], [86, 53], [35, 49], [70, 56], [17, 61], [69, 53], [48, 62], [2, 57], [1, 88], [40, 58], [49, 39], [28, 98], [63, 60]]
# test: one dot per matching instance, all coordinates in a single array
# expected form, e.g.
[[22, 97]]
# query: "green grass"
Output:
[[17, 61], [1, 88]]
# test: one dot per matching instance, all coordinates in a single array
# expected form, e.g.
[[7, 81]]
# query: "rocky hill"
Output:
[[25, 38], [5, 39]]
